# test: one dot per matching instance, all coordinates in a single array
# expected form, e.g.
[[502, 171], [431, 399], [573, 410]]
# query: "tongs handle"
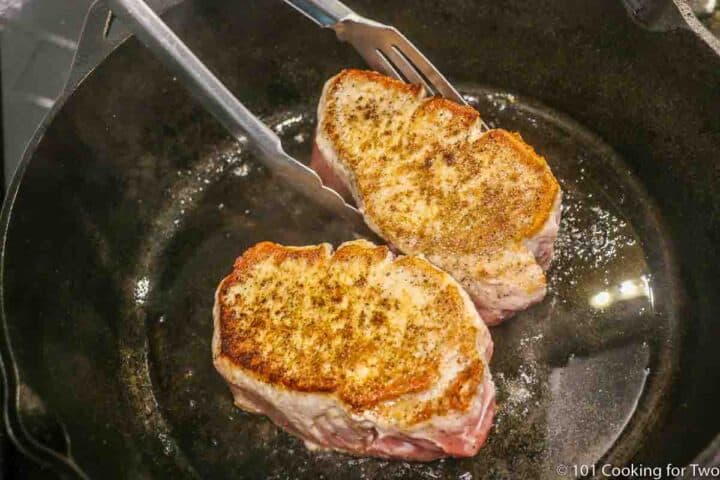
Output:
[[201, 82], [325, 13]]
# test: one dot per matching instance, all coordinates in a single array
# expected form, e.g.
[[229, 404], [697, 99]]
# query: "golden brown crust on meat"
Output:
[[458, 397], [355, 323], [353, 75], [427, 177]]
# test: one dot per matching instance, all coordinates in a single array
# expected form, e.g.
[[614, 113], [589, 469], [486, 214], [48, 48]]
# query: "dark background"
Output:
[[37, 38]]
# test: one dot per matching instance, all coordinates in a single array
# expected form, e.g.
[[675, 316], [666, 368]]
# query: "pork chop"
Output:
[[483, 206], [356, 351]]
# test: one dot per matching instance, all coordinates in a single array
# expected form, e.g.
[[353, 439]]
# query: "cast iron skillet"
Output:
[[132, 203]]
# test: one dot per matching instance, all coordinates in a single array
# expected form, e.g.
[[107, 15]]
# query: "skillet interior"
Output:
[[136, 203]]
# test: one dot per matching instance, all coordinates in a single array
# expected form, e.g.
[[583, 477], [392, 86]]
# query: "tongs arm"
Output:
[[204, 86], [216, 98]]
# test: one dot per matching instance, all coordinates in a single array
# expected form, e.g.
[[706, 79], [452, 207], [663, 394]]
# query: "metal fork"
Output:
[[219, 101], [382, 46]]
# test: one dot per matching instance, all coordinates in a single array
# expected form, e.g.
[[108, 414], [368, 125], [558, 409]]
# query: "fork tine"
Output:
[[427, 69], [377, 61], [408, 71], [430, 74], [387, 50]]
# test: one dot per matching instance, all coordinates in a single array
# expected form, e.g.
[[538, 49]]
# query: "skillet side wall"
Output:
[[77, 225]]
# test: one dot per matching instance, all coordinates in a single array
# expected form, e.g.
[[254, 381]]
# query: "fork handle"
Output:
[[325, 13]]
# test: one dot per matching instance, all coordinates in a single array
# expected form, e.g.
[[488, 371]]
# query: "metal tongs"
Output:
[[383, 47]]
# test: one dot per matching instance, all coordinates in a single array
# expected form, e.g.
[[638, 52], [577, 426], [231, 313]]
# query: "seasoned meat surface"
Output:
[[356, 350], [483, 206]]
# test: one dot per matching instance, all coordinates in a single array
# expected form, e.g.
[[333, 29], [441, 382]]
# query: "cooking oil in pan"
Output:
[[571, 372]]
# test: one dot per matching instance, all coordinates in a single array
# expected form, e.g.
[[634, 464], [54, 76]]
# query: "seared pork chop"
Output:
[[483, 206], [356, 350]]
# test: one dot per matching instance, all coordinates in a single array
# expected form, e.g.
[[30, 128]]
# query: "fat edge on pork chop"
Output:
[[483, 206], [357, 351]]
